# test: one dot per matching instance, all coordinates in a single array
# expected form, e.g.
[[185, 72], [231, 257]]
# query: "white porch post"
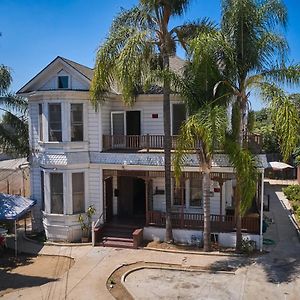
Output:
[[261, 211]]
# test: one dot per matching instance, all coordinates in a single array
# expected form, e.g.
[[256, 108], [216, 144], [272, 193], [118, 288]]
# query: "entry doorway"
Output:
[[131, 197]]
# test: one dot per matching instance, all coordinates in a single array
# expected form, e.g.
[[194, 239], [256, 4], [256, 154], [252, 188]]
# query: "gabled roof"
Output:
[[84, 71], [176, 64]]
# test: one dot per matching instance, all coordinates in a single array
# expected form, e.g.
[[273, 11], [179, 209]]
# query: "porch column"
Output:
[[221, 197], [261, 211], [147, 198]]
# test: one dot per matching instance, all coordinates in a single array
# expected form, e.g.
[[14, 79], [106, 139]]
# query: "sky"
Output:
[[34, 32]]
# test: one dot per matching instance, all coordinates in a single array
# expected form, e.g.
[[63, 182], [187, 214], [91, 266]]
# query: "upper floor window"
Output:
[[63, 82], [179, 116], [54, 123], [41, 122], [76, 122], [56, 193], [78, 193]]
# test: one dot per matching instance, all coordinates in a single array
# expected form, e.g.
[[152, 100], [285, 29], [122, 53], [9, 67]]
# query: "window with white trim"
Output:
[[54, 122], [76, 122], [78, 193], [56, 193]]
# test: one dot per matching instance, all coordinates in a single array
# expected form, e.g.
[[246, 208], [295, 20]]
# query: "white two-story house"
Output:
[[113, 159]]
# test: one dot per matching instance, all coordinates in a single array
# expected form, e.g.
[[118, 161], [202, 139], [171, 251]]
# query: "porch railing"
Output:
[[196, 221], [149, 142]]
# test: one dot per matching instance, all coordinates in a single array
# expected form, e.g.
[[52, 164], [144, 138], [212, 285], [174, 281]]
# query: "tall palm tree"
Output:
[[14, 121], [204, 128], [136, 53], [250, 53]]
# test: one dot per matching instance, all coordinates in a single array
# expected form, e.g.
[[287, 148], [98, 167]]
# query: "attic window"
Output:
[[63, 82]]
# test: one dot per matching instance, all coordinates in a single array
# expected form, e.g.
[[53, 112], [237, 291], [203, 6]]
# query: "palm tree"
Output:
[[204, 128], [135, 55], [250, 53], [14, 122]]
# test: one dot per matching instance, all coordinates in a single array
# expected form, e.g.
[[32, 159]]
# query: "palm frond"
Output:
[[245, 165], [205, 130], [5, 79]]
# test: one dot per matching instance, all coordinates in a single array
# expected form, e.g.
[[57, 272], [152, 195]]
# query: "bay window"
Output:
[[54, 123], [78, 193], [56, 193]]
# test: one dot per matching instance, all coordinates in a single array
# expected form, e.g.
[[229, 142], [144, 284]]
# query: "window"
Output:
[[179, 193], [76, 122], [179, 116], [78, 193], [196, 192], [41, 122], [42, 191], [56, 193], [63, 82], [55, 132]]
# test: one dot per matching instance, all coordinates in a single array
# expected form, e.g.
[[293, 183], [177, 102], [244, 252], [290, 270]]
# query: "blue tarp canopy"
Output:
[[13, 207]]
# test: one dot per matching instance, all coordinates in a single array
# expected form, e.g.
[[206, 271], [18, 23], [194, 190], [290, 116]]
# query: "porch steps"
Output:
[[117, 242], [116, 235]]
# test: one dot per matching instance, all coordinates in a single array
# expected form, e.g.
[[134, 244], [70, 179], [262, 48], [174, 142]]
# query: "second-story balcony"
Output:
[[152, 143]]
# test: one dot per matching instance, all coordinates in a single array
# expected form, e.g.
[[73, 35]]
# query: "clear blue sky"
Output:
[[34, 32]]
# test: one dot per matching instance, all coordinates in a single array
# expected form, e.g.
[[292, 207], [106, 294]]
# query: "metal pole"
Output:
[[261, 212], [16, 239]]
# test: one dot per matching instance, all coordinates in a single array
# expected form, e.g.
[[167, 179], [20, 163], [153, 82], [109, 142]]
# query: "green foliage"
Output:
[[245, 166], [85, 221], [131, 57], [264, 126], [14, 123], [206, 128], [292, 192]]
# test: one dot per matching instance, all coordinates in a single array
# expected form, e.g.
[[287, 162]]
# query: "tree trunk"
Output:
[[167, 151], [238, 217], [206, 210]]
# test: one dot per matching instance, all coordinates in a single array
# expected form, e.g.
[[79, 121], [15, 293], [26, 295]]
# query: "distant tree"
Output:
[[264, 126], [14, 120]]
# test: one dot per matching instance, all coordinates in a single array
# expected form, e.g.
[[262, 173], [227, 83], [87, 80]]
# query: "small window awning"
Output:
[[13, 207]]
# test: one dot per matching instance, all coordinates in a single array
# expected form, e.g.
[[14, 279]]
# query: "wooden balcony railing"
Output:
[[196, 221], [149, 142]]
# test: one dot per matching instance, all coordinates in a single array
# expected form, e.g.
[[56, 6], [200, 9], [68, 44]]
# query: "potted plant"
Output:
[[86, 223]]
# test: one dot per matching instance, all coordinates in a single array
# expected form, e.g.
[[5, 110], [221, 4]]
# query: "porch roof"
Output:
[[157, 159]]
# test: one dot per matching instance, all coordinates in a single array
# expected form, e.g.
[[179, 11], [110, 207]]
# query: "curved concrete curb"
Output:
[[195, 252]]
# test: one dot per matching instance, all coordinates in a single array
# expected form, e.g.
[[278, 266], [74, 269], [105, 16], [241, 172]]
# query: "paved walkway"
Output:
[[271, 276]]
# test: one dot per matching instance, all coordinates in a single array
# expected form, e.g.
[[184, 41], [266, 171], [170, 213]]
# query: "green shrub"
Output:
[[292, 192]]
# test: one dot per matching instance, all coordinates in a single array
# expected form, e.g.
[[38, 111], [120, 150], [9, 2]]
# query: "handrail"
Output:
[[97, 223]]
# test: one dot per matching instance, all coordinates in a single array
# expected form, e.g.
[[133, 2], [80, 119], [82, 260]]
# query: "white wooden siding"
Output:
[[93, 123], [95, 190]]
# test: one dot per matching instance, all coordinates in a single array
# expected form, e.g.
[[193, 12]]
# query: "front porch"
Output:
[[136, 198]]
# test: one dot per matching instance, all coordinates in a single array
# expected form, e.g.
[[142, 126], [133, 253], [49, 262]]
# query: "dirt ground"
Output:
[[29, 271]]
